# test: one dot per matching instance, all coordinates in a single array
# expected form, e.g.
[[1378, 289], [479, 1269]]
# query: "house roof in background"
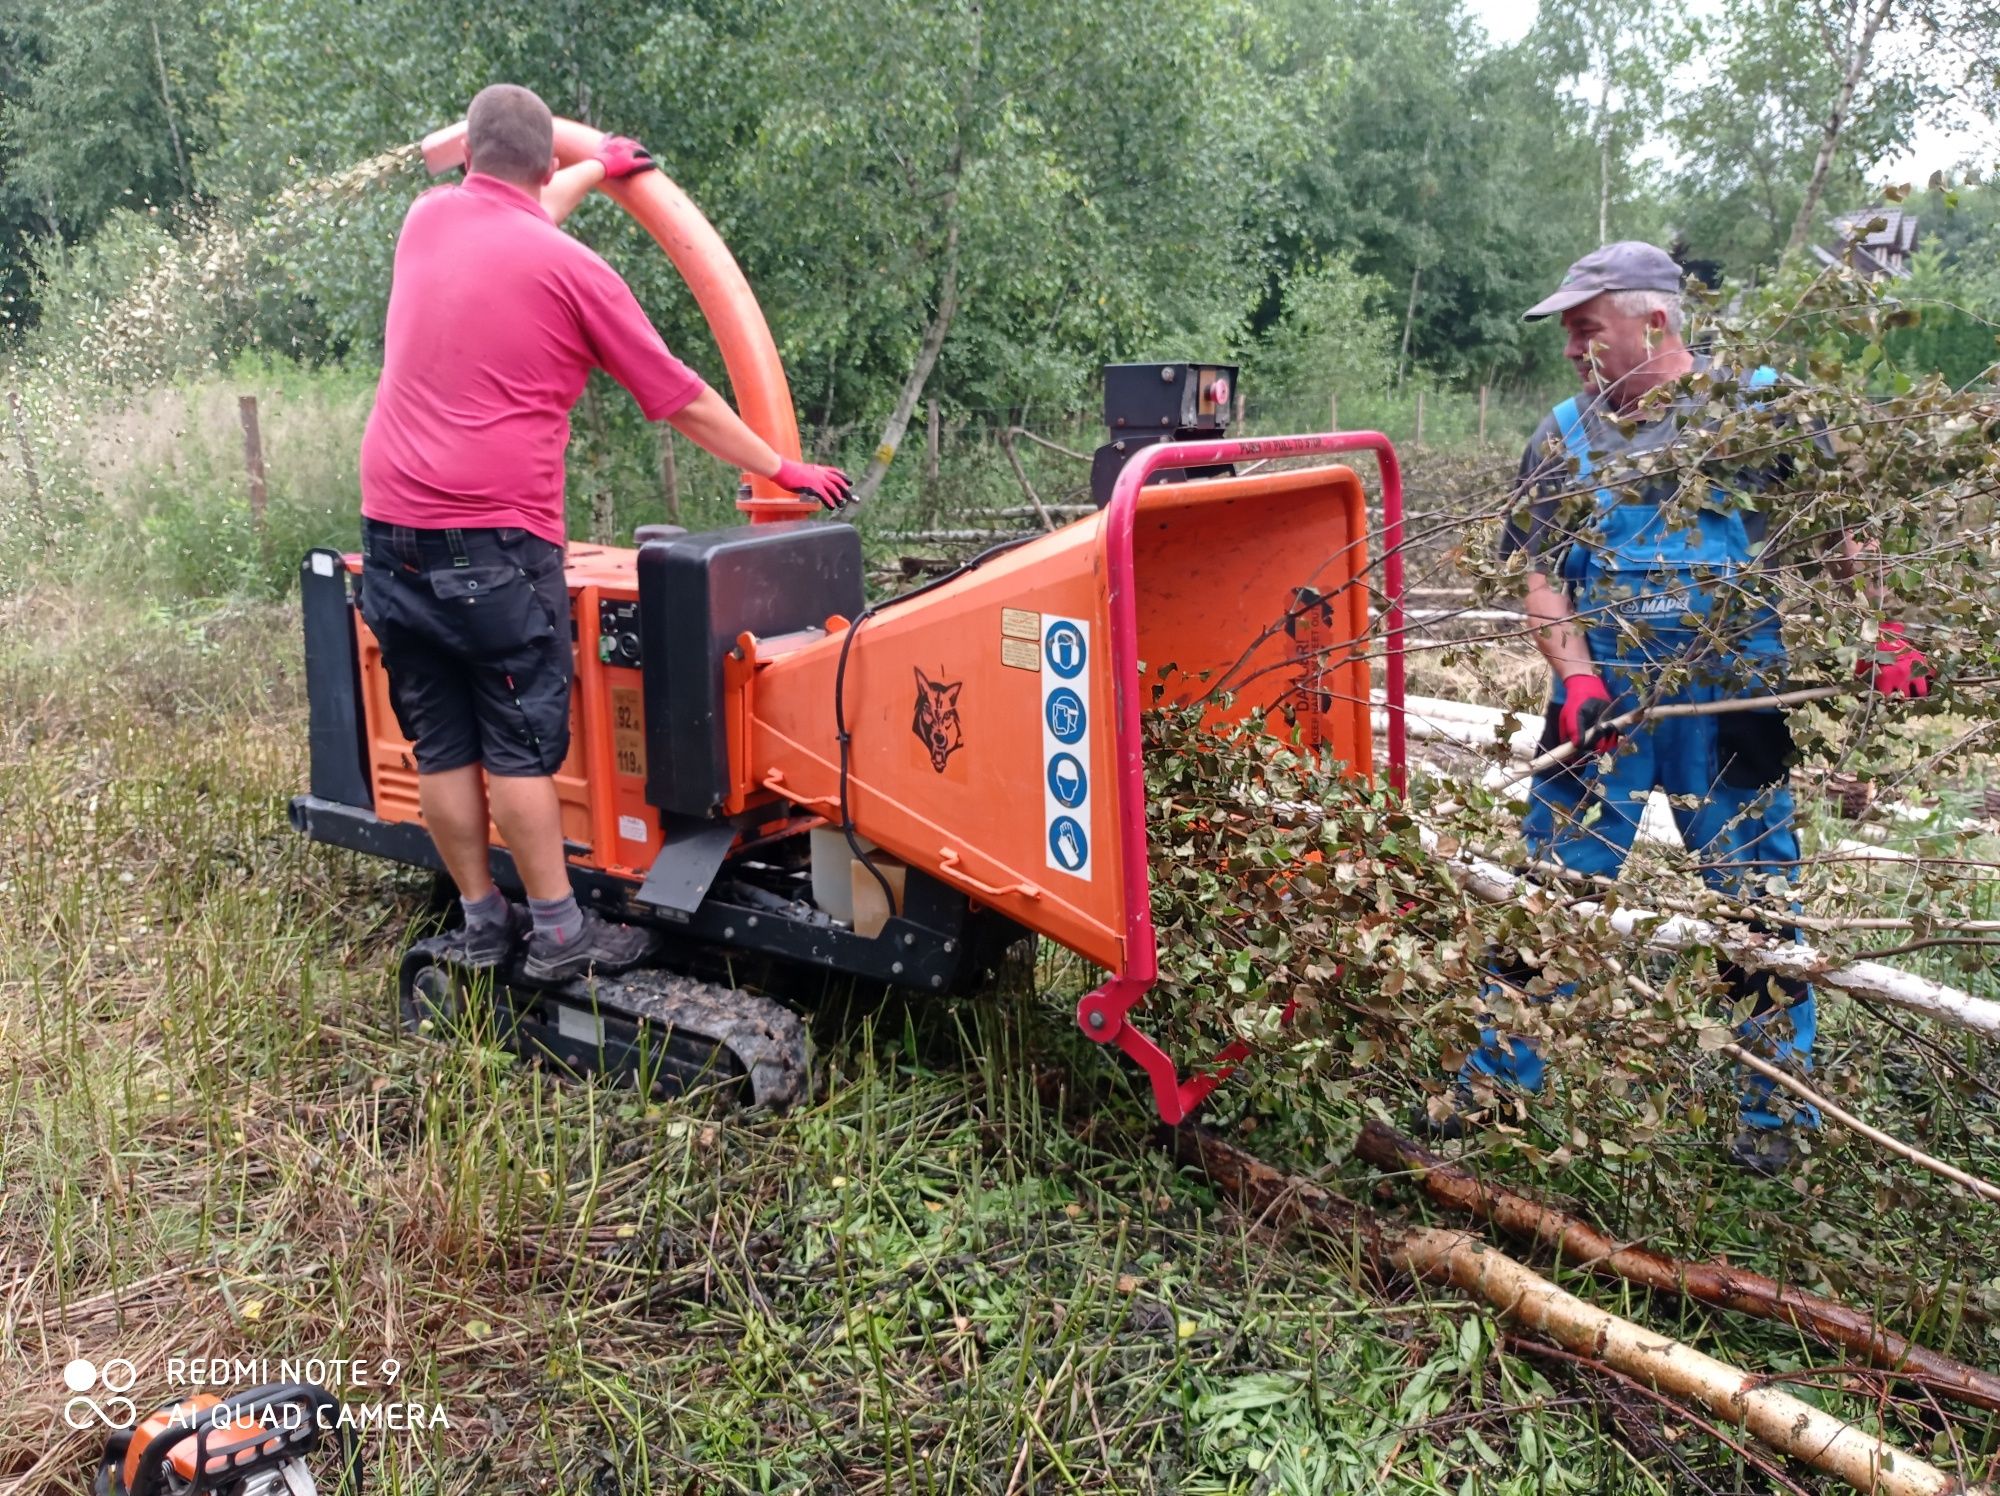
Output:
[[1883, 251]]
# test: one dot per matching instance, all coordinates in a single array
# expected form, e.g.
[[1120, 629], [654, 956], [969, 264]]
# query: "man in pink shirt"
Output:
[[496, 318]]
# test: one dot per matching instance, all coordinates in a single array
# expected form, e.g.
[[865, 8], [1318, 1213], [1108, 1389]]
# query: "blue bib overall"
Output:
[[1668, 603]]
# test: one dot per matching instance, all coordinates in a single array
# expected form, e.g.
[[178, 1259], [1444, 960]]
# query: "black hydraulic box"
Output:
[[1186, 400], [696, 594]]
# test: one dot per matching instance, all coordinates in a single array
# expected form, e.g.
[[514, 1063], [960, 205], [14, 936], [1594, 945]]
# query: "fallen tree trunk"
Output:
[[1675, 932], [1775, 1417], [1582, 1245], [1471, 724], [1780, 1420]]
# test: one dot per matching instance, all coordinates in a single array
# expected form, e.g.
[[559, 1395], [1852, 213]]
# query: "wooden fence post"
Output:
[[1482, 415], [670, 474], [253, 465], [1239, 408], [1333, 411], [34, 478], [1419, 441]]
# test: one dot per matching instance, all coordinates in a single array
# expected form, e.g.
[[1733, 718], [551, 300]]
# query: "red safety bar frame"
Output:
[[1102, 1014]]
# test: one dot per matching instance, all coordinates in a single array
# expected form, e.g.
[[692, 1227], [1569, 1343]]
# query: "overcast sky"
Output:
[[1935, 148]]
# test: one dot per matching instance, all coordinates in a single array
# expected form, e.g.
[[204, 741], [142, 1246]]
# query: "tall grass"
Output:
[[147, 489]]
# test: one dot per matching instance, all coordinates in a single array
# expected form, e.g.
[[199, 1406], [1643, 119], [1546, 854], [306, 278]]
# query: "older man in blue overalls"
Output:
[[1656, 601]]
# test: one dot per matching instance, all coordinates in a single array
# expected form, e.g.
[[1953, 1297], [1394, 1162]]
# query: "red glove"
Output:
[[1586, 702], [622, 156], [1898, 667], [827, 484]]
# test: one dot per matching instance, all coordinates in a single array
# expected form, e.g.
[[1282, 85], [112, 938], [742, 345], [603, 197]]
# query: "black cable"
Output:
[[845, 738]]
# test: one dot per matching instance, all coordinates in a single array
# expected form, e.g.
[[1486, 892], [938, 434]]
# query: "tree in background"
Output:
[[1617, 49], [1932, 53], [1797, 99], [1461, 176], [1002, 195], [311, 86], [107, 105], [980, 201], [1952, 290], [1331, 335]]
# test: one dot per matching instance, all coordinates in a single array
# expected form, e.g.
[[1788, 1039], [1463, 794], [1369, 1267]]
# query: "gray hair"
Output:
[[1645, 303], [509, 134]]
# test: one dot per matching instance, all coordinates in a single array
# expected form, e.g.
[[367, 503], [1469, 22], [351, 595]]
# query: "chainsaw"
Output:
[[254, 1443]]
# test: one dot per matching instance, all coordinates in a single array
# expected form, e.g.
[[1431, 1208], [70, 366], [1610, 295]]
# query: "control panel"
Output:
[[618, 633]]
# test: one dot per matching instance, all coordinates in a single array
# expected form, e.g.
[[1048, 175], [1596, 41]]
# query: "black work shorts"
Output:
[[475, 634]]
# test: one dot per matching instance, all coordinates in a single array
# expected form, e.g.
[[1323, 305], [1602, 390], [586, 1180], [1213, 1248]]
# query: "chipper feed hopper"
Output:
[[782, 777]]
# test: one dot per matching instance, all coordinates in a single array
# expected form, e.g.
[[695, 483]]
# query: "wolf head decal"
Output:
[[937, 718]]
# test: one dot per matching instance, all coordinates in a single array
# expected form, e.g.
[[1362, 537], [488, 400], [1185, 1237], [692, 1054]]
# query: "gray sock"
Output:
[[490, 910], [557, 919]]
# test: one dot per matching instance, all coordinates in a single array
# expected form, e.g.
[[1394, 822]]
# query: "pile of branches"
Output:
[[1361, 940]]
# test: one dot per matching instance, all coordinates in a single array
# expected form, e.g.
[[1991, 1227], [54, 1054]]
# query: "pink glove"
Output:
[[827, 484], [1898, 667], [1586, 702], [622, 156]]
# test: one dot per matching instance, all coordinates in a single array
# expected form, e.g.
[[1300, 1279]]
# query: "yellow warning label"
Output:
[[628, 731], [1019, 623], [1022, 654]]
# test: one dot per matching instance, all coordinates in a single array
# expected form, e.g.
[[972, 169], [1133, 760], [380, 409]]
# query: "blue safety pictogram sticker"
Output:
[[1064, 649], [1067, 843], [1067, 781], [1065, 715]]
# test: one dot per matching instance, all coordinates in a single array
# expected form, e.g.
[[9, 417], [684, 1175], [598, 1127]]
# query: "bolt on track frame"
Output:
[[1103, 1014]]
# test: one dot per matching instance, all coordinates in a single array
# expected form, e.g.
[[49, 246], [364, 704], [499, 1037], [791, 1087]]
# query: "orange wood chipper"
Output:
[[766, 765]]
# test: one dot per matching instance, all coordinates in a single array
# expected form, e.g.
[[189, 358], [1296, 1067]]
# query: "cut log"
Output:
[[1778, 1419], [1784, 1422], [1581, 1244]]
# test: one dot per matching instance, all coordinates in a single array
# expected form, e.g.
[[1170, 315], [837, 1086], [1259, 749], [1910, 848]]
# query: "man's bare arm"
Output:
[[1556, 633], [1849, 560], [569, 187], [710, 423]]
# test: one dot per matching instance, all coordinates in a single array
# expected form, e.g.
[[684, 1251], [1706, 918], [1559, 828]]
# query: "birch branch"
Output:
[[1494, 884], [1775, 1417], [1854, 1124], [1580, 1244]]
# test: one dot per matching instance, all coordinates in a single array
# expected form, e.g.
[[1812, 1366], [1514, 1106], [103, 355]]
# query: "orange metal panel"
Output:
[[601, 783], [1215, 567]]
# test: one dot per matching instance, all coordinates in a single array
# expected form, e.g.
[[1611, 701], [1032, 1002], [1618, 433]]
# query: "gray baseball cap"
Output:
[[1627, 265]]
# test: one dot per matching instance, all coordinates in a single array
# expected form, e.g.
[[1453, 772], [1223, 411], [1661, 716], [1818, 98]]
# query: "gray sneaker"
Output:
[[490, 945], [601, 946], [1763, 1151]]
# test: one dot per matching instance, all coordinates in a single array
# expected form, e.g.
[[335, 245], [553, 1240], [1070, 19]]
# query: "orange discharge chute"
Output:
[[757, 382]]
